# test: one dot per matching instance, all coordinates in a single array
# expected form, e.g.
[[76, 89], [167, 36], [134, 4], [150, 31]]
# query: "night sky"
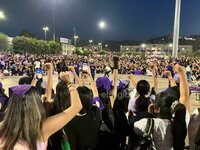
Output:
[[125, 19]]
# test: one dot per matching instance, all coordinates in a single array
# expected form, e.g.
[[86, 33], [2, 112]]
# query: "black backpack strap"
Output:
[[149, 127], [149, 132], [197, 137]]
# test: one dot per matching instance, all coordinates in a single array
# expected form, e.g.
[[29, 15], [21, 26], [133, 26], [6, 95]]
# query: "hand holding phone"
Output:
[[38, 73], [115, 61], [85, 67]]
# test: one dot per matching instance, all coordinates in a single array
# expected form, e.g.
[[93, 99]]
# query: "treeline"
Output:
[[22, 44]]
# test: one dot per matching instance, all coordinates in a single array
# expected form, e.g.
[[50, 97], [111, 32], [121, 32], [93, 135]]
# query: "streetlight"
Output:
[[90, 41], [170, 46], [45, 32], [100, 44], [75, 39], [106, 46], [2, 15], [102, 25]]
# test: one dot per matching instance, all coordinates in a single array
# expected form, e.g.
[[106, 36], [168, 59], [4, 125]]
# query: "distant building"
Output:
[[92, 47], [154, 48], [67, 47]]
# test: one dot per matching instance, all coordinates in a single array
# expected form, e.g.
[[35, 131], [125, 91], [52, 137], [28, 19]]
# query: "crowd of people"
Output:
[[102, 115], [25, 64]]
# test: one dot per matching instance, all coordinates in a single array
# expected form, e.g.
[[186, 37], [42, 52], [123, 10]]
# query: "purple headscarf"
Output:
[[19, 90], [104, 82]]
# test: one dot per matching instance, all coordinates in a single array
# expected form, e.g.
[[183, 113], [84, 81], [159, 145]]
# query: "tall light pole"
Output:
[[102, 25], [75, 40], [54, 20], [2, 15], [176, 28], [45, 32]]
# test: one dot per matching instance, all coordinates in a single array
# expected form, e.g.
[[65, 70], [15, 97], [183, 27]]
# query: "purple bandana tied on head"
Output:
[[104, 82], [19, 90], [122, 84]]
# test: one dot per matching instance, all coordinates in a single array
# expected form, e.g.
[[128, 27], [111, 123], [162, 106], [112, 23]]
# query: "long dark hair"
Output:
[[62, 100], [86, 96], [177, 115], [23, 120], [142, 102]]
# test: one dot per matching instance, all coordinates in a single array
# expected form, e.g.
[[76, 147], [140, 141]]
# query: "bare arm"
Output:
[[34, 81], [114, 95], [154, 76], [48, 92], [56, 122], [77, 79], [92, 84], [132, 80], [171, 80], [184, 88]]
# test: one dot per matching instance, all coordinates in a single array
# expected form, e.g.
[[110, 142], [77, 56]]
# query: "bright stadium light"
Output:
[[90, 41], [45, 32], [102, 24], [2, 15], [143, 45]]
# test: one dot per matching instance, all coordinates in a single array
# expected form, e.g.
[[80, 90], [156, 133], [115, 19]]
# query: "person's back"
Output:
[[162, 134], [83, 130]]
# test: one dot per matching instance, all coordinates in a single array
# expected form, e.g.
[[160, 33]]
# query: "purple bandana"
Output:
[[103, 82], [97, 99], [19, 90], [122, 84]]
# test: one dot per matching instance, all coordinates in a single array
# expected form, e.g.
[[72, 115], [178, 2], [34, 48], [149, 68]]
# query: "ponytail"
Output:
[[142, 104], [179, 126]]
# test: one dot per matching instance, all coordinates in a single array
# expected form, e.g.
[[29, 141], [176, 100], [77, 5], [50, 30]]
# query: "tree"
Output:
[[54, 47], [27, 33], [4, 45], [23, 44]]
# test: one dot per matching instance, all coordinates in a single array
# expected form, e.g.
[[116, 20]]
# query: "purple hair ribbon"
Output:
[[97, 99], [19, 90]]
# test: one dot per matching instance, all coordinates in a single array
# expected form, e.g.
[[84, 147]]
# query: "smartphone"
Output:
[[38, 73], [115, 61], [85, 67]]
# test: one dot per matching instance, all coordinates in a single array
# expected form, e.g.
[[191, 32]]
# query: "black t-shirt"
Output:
[[83, 131]]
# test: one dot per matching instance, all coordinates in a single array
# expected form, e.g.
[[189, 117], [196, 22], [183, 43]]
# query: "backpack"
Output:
[[197, 139], [107, 140], [107, 120], [146, 141]]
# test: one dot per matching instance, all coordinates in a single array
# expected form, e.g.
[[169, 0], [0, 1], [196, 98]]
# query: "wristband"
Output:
[[97, 99]]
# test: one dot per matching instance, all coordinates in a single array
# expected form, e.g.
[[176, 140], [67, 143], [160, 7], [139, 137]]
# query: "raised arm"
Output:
[[170, 78], [92, 83], [48, 92], [184, 88], [154, 76], [34, 81], [77, 79], [132, 81], [114, 85], [56, 122]]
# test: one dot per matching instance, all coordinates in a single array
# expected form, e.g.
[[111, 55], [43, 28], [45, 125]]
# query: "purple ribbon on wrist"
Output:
[[97, 99]]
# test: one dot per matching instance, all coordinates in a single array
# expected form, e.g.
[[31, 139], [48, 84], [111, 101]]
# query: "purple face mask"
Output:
[[19, 90]]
